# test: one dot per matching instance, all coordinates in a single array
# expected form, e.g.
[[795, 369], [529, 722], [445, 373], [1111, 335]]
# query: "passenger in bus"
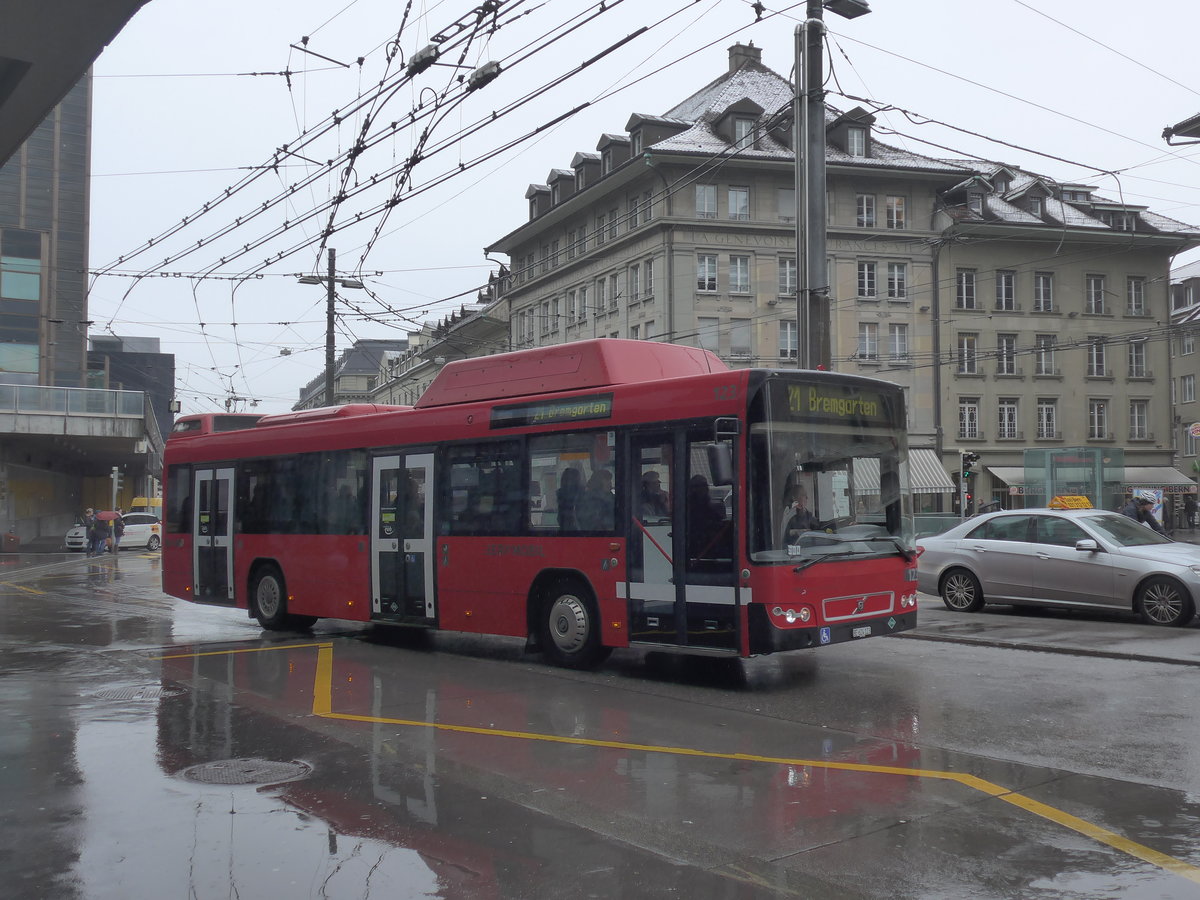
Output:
[[655, 502], [570, 495], [797, 517], [596, 507]]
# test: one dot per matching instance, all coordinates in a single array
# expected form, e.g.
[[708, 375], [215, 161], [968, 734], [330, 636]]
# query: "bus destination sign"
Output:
[[553, 412], [837, 403]]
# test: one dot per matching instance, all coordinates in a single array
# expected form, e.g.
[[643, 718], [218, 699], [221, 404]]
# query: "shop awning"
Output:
[[924, 469], [1135, 476], [928, 474]]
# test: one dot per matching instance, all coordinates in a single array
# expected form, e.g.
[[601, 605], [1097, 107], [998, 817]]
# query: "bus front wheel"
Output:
[[270, 602], [570, 628]]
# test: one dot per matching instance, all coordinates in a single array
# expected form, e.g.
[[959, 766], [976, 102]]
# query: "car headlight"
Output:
[[1195, 570]]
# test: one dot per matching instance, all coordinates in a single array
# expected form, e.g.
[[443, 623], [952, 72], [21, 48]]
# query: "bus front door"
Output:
[[401, 539], [682, 587], [212, 548]]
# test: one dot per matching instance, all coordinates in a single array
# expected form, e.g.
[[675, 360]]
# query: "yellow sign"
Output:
[[1068, 502]]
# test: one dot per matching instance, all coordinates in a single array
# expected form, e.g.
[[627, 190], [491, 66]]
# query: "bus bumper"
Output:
[[766, 637]]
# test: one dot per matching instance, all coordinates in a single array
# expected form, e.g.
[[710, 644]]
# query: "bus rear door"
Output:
[[402, 538], [212, 549]]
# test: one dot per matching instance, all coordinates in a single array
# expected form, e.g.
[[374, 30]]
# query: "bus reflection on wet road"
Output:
[[162, 745]]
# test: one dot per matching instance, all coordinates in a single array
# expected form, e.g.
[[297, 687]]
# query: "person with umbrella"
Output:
[[100, 532]]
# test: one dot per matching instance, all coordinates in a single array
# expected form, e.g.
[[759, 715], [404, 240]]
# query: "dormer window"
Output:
[[532, 208], [856, 141], [1001, 185], [1036, 206], [606, 161], [554, 194], [578, 180], [635, 143], [975, 202], [743, 132]]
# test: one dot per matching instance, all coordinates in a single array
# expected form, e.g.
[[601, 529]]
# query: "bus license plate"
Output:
[[861, 631]]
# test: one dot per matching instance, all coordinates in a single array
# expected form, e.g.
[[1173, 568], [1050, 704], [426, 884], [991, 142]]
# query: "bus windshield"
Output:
[[828, 472]]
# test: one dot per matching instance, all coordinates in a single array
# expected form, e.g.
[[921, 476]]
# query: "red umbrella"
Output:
[[106, 515]]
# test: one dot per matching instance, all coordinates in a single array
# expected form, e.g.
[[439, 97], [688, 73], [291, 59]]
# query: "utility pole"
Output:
[[331, 282], [813, 340]]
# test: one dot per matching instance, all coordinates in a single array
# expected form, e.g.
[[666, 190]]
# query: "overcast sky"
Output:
[[191, 111]]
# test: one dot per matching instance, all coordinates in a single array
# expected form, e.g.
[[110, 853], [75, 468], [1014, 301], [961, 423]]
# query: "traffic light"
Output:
[[968, 461], [118, 478]]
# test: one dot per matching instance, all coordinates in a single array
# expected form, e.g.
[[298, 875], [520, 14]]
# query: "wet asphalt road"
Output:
[[152, 748]]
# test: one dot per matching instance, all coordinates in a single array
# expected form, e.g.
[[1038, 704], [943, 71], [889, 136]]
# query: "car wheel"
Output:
[[154, 543], [961, 591], [570, 628], [1164, 601]]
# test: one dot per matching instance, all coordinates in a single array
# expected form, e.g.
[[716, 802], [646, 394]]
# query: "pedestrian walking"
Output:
[[118, 529]]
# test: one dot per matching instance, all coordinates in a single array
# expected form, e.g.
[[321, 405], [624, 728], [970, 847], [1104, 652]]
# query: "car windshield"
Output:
[[1125, 531]]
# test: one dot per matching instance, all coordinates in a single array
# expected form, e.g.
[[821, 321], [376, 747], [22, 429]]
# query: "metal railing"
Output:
[[23, 398]]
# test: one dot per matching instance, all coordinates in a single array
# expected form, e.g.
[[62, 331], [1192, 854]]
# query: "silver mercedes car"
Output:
[[1084, 558]]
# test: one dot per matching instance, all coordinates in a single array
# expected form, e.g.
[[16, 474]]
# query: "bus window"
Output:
[[571, 482], [179, 500], [486, 495]]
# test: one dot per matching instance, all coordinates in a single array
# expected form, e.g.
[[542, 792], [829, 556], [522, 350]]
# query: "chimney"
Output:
[[740, 54]]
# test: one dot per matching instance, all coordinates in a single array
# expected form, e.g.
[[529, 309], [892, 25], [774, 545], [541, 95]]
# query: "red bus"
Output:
[[585, 496]]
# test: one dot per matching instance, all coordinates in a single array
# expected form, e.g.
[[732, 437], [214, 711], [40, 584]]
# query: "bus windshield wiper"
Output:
[[907, 552], [816, 559]]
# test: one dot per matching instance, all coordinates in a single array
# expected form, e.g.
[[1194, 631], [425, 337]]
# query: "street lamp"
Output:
[[808, 122], [332, 282]]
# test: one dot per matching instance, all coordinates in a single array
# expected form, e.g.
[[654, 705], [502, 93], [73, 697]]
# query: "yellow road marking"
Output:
[[247, 650], [20, 587], [323, 707]]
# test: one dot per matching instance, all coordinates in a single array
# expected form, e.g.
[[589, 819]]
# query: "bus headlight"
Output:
[[791, 615]]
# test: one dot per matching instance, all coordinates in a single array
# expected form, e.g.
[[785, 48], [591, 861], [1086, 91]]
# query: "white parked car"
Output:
[[141, 530]]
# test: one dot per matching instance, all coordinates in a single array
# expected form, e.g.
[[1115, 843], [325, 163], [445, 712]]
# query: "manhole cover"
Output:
[[143, 692], [246, 771]]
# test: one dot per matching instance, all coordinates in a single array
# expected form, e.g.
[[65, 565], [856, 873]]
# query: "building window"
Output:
[[612, 223], [964, 291], [787, 277], [583, 304], [1095, 295], [968, 418], [708, 333], [968, 354], [648, 276], [1044, 354], [706, 272], [739, 274], [865, 210], [1006, 354], [743, 132], [601, 229], [706, 201], [571, 307], [1187, 343], [647, 207], [1036, 206], [1139, 420], [786, 200], [898, 342], [739, 337], [1006, 290], [1006, 419], [1137, 359], [895, 213], [1135, 296], [975, 202], [1043, 292], [856, 141], [1098, 420], [614, 291], [787, 339], [570, 243], [897, 281], [635, 333], [1096, 367], [868, 340], [631, 213], [634, 280], [1187, 388], [739, 203], [1047, 418], [867, 273]]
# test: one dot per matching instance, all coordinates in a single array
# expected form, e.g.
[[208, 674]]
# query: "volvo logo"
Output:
[[862, 603]]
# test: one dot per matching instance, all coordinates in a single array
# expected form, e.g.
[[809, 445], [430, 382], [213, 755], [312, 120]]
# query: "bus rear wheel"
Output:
[[270, 602], [570, 628]]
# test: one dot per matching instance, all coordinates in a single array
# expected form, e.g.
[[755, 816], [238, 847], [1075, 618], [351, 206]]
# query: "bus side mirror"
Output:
[[720, 463]]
